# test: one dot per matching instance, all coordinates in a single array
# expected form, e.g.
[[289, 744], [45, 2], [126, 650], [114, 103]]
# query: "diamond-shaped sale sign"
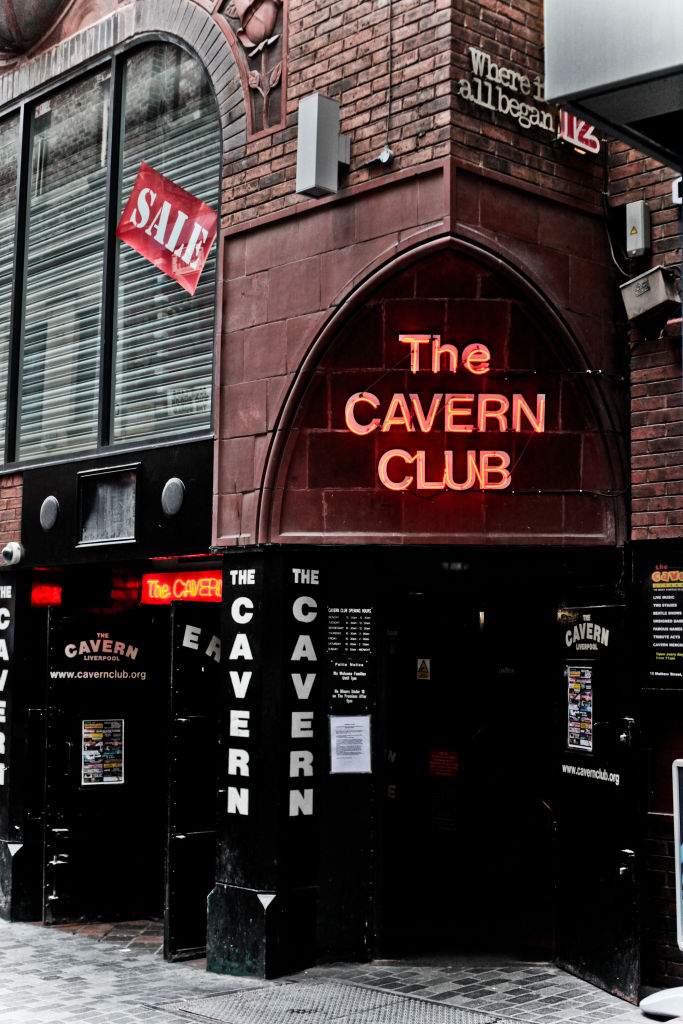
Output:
[[168, 226]]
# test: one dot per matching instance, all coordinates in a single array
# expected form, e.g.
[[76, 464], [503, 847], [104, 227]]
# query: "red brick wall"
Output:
[[512, 33], [633, 176], [656, 406], [290, 261], [657, 513], [10, 507], [342, 50], [656, 438], [395, 68]]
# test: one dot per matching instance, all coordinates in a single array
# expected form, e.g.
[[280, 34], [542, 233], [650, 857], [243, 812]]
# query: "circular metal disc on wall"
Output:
[[49, 511], [172, 496]]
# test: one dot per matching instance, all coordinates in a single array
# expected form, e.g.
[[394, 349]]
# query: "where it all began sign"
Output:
[[168, 226]]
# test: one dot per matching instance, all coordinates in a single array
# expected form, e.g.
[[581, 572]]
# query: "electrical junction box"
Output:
[[637, 228], [320, 147], [657, 291]]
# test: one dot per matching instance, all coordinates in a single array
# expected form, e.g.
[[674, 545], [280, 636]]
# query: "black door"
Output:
[[191, 849], [105, 808], [597, 803], [467, 816]]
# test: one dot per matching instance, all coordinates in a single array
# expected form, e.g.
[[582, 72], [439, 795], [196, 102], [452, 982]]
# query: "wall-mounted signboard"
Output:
[[666, 627], [520, 96], [350, 655]]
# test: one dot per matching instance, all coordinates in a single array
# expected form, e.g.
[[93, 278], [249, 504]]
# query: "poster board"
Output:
[[102, 752], [580, 706], [666, 627]]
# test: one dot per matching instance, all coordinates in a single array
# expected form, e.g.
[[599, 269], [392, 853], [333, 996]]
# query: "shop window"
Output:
[[100, 347], [107, 505], [60, 352]]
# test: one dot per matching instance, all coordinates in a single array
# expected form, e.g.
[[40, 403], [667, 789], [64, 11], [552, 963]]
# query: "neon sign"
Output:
[[579, 133], [165, 587], [463, 413]]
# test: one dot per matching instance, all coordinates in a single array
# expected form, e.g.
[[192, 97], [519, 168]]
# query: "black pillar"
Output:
[[262, 911], [23, 643]]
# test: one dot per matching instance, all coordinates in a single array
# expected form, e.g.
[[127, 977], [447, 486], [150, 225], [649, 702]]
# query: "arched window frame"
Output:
[[114, 64]]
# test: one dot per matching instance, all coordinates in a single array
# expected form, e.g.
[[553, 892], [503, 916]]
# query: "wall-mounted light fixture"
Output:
[[320, 147]]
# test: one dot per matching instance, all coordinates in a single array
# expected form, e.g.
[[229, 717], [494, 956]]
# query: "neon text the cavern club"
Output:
[[464, 413]]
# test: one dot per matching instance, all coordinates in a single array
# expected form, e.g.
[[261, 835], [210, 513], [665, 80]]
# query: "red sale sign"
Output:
[[168, 226]]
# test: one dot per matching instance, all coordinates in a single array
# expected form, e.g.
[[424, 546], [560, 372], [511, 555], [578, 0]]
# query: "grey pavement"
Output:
[[114, 974]]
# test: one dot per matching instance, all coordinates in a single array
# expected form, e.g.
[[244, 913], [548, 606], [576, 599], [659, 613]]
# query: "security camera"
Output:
[[12, 552]]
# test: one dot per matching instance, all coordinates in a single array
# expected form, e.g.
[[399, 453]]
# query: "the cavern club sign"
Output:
[[166, 587], [168, 226], [460, 416]]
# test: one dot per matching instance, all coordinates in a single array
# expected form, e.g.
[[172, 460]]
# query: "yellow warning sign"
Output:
[[424, 670], [634, 230]]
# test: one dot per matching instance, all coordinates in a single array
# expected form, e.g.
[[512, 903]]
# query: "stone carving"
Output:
[[258, 26]]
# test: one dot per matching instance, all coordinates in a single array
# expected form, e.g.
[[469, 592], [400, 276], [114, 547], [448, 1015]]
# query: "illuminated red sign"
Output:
[[45, 594], [579, 133], [165, 587], [463, 413], [168, 226]]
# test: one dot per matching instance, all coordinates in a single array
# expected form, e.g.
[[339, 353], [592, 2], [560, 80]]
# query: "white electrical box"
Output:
[[637, 228]]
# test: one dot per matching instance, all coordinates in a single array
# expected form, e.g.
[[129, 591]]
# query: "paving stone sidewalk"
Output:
[[114, 974], [507, 988]]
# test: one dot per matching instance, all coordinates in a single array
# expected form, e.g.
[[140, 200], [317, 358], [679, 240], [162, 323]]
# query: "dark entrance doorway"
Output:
[[192, 769], [106, 764], [131, 768], [597, 800], [510, 796], [468, 812]]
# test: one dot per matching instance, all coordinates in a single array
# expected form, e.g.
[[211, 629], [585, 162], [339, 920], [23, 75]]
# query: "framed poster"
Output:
[[580, 707], [102, 752]]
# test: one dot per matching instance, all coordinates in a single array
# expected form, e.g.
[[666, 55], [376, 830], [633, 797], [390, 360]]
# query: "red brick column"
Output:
[[11, 489]]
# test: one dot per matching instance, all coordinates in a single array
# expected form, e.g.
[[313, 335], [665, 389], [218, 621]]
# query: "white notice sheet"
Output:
[[350, 744]]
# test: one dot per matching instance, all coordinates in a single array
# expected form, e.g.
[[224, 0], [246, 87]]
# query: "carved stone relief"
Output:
[[259, 26]]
